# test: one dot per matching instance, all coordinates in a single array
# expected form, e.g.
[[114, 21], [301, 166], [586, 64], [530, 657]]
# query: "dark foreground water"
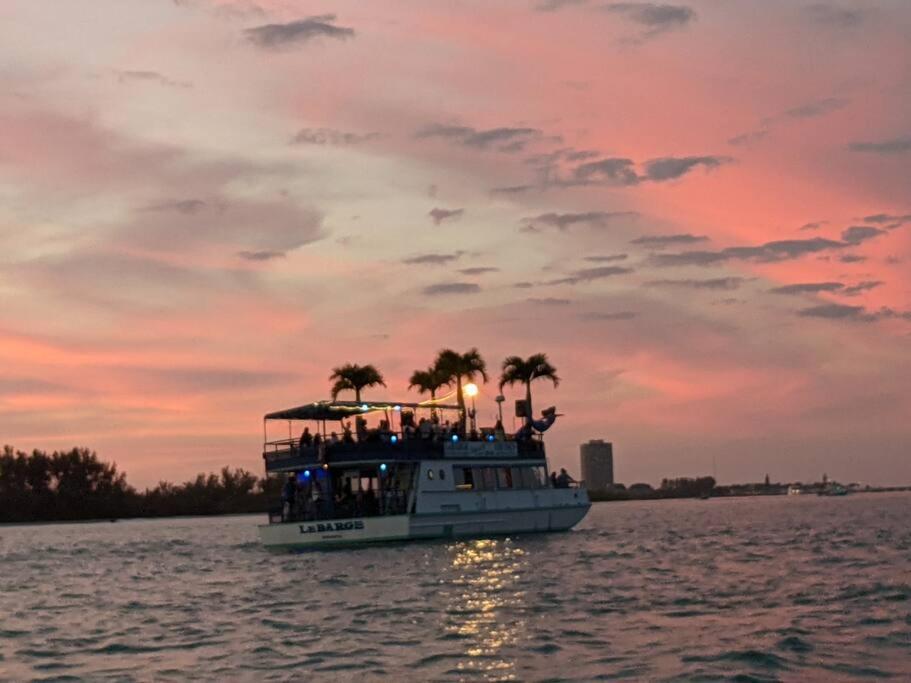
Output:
[[799, 588]]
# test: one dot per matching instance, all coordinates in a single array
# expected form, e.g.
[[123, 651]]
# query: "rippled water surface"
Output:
[[799, 588]]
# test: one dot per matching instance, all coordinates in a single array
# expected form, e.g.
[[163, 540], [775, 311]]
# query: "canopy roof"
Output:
[[339, 410]]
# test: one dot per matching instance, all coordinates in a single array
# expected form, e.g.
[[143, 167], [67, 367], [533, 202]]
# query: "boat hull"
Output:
[[342, 532]]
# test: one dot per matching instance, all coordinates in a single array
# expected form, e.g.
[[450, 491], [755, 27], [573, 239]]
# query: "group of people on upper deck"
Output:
[[426, 429]]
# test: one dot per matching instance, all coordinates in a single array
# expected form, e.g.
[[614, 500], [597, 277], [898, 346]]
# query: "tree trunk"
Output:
[[461, 401], [530, 417], [357, 394]]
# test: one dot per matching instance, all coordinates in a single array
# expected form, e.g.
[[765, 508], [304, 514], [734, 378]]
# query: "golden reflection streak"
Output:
[[485, 596]]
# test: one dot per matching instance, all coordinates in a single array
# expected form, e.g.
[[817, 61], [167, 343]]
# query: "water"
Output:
[[799, 588]]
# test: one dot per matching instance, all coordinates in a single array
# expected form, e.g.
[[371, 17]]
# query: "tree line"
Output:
[[77, 485]]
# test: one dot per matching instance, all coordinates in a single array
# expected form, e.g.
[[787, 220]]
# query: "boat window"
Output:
[[504, 478], [477, 474], [442, 474], [429, 473], [463, 478], [490, 478]]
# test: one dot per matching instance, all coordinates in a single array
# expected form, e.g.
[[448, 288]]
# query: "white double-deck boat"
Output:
[[419, 481]]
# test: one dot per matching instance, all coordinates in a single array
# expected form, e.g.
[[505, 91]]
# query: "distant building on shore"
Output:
[[597, 460]]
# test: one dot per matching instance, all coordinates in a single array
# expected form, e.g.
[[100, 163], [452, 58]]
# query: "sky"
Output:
[[701, 212]]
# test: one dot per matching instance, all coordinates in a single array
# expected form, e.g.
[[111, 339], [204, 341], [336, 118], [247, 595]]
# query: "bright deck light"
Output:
[[394, 438], [383, 467], [471, 389], [455, 437]]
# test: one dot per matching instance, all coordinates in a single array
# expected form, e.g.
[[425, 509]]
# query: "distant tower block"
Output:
[[597, 458]]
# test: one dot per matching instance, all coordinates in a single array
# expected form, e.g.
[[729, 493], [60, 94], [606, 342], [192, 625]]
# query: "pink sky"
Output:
[[701, 212]]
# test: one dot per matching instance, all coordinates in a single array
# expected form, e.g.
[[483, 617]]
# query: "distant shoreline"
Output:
[[618, 497]]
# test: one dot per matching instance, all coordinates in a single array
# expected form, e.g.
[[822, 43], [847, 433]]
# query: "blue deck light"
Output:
[[490, 437], [394, 438], [364, 406], [383, 468], [455, 438]]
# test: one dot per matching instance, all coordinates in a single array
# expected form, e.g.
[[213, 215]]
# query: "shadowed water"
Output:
[[785, 588]]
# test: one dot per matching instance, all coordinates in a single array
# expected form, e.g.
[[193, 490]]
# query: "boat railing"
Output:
[[391, 445]]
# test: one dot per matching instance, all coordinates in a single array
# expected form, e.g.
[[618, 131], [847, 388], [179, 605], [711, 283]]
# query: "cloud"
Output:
[[713, 283], [619, 315], [606, 259], [884, 147], [748, 138], [549, 301], [245, 224], [504, 139], [893, 220], [524, 285], [852, 258], [330, 136], [612, 171], [297, 32], [511, 189], [811, 226], [837, 312], [860, 233], [479, 270], [861, 287], [563, 221], [808, 288], [669, 168], [451, 288], [779, 250], [589, 274], [834, 16], [130, 75], [185, 206], [653, 16], [432, 259], [554, 5], [262, 255], [439, 215], [666, 240], [818, 108]]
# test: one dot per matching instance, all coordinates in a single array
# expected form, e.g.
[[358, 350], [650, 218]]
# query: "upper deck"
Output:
[[397, 436]]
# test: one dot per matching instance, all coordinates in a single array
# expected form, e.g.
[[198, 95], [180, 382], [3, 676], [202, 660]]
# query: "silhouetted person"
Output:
[[563, 479], [289, 492], [306, 437], [553, 479]]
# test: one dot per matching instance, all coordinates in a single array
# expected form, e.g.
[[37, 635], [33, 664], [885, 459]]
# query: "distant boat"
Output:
[[833, 490], [795, 491]]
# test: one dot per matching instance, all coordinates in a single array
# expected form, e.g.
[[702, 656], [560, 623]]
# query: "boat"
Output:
[[795, 490], [412, 476]]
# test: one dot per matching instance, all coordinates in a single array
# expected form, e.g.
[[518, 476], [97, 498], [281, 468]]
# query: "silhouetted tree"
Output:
[[429, 381], [352, 377], [525, 371], [457, 367]]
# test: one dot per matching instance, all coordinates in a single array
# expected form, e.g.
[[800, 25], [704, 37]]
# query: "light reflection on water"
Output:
[[485, 603]]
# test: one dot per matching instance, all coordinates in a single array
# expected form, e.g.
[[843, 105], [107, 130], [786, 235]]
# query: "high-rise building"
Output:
[[597, 458]]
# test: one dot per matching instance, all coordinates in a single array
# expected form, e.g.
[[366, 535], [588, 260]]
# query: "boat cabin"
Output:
[[348, 460]]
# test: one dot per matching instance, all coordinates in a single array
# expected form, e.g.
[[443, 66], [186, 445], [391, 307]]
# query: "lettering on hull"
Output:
[[323, 527]]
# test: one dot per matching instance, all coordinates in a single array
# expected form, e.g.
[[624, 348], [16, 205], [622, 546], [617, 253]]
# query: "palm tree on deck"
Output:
[[525, 371], [461, 366], [353, 377], [428, 382]]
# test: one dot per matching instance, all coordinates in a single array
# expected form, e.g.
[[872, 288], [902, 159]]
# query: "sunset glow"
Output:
[[700, 212]]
